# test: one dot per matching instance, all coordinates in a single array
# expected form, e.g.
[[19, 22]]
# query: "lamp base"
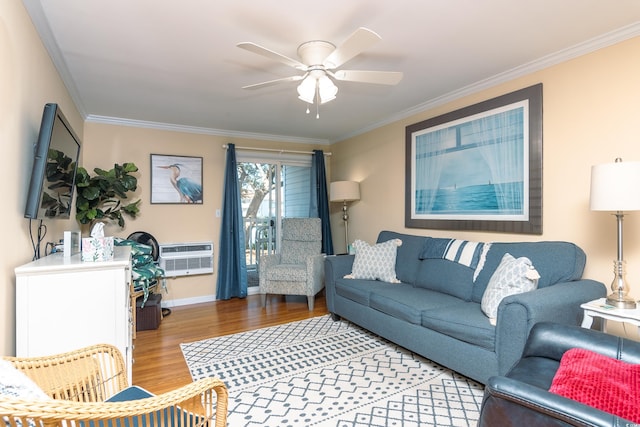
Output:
[[620, 301]]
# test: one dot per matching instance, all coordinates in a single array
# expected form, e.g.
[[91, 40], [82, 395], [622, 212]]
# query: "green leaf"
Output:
[[99, 196]]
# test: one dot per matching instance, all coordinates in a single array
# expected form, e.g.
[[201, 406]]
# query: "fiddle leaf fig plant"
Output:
[[102, 197]]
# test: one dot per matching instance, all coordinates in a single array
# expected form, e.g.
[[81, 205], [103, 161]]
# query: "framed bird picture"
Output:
[[176, 179]]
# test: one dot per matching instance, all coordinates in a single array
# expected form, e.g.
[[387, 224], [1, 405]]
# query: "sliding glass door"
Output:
[[272, 187]]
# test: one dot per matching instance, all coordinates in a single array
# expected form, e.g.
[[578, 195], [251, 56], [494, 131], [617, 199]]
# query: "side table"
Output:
[[599, 308]]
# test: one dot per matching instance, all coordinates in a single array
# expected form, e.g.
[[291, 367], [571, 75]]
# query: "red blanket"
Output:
[[602, 382]]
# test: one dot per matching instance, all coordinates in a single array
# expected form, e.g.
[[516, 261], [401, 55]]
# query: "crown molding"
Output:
[[588, 46], [92, 118]]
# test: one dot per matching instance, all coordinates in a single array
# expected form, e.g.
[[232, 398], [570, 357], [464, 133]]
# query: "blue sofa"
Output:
[[435, 310]]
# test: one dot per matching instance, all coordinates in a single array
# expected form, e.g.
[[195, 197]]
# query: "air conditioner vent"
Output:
[[183, 259]]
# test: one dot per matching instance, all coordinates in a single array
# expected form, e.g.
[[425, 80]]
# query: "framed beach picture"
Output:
[[478, 168], [176, 179]]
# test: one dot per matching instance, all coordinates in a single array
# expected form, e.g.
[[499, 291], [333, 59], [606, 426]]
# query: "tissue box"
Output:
[[97, 249]]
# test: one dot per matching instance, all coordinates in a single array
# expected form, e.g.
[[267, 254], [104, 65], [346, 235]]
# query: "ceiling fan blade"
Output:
[[357, 42], [376, 77], [273, 82], [252, 47]]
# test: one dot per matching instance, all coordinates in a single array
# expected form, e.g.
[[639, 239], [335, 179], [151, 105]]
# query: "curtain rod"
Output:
[[275, 150]]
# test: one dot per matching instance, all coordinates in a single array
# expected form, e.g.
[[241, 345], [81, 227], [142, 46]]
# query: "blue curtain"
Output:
[[319, 204], [232, 264]]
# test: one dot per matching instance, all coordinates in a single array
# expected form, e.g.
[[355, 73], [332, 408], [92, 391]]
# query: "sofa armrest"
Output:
[[266, 261], [335, 267], [509, 402], [559, 303]]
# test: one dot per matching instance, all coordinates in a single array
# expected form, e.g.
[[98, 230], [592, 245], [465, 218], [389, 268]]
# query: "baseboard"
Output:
[[252, 290], [187, 301]]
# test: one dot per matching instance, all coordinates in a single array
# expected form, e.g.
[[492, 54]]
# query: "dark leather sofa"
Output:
[[520, 398]]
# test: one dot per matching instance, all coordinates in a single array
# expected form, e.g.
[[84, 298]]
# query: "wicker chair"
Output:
[[80, 382]]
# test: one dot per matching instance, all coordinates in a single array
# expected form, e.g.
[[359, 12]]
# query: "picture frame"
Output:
[[478, 168], [176, 179]]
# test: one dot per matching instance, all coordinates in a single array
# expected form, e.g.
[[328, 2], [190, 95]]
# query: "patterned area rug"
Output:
[[318, 372]]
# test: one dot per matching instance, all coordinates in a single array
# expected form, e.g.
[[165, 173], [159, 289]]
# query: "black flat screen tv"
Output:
[[55, 163]]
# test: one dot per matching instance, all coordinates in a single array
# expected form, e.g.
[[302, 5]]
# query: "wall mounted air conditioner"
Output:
[[184, 259]]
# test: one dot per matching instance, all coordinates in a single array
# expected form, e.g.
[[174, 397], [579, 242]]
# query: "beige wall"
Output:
[[28, 80], [591, 114], [109, 144]]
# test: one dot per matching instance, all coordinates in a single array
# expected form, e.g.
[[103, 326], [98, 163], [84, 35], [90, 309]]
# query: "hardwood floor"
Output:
[[158, 362]]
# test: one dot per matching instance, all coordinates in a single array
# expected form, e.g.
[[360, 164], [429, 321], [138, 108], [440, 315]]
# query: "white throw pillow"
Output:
[[513, 276], [14, 383], [377, 262]]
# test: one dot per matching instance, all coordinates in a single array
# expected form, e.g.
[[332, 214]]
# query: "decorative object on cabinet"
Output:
[[456, 167], [97, 247], [79, 383], [176, 179], [344, 191], [614, 188], [102, 197]]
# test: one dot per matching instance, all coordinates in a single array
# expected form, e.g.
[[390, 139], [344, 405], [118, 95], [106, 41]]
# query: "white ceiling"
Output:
[[175, 64]]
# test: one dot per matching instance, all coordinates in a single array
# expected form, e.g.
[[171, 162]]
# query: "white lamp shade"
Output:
[[307, 89], [615, 186], [344, 191], [327, 89]]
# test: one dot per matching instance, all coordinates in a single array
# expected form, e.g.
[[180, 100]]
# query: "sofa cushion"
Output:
[[172, 416], [465, 252], [464, 321], [407, 262], [513, 276], [377, 262], [555, 262], [360, 290], [407, 302], [446, 276]]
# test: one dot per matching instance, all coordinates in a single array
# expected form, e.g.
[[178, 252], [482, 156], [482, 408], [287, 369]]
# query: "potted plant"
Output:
[[101, 197]]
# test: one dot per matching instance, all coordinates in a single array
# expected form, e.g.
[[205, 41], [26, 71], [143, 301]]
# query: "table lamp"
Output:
[[344, 191], [615, 187]]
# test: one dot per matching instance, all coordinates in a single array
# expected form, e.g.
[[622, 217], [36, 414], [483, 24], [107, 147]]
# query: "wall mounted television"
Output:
[[55, 163]]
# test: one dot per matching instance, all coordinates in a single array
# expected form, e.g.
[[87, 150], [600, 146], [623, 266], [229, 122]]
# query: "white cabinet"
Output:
[[63, 304]]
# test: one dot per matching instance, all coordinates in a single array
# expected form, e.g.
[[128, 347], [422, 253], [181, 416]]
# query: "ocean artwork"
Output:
[[479, 167], [474, 168], [473, 199]]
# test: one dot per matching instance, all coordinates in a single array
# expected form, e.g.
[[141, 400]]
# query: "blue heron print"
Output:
[[189, 190]]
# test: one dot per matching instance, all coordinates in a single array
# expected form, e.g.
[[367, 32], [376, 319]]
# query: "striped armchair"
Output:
[[298, 268], [88, 387]]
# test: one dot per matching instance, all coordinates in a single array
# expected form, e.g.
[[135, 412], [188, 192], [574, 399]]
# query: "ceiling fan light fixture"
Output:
[[319, 60], [307, 89], [327, 89]]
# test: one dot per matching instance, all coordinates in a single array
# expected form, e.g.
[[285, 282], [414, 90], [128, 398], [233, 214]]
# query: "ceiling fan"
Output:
[[318, 62]]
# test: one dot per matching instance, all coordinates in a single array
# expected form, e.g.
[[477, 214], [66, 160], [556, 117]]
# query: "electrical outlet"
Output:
[[217, 213]]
